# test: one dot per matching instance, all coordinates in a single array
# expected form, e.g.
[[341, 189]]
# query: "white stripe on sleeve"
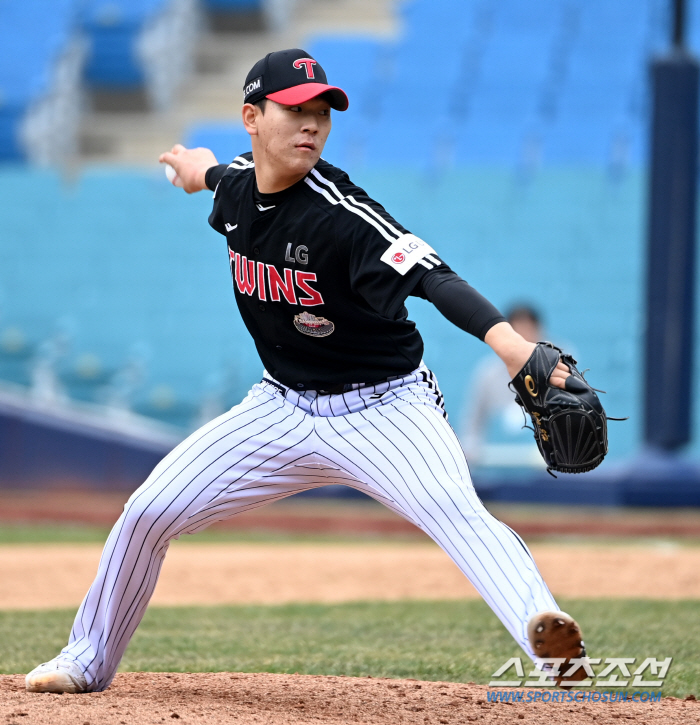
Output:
[[358, 204], [343, 202]]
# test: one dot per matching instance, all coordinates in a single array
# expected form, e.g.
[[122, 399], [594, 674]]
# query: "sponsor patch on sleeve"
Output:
[[406, 252]]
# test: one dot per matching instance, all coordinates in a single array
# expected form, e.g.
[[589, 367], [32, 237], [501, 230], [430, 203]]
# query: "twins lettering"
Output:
[[290, 285]]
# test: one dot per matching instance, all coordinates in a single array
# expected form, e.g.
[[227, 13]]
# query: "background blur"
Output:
[[511, 136]]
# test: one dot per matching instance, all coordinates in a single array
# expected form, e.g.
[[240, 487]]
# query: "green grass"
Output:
[[25, 533], [452, 641], [29, 533]]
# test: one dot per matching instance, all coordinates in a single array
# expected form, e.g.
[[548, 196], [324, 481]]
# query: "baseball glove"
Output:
[[570, 425]]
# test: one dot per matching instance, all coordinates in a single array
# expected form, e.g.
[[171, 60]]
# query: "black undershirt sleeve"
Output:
[[458, 301], [214, 174]]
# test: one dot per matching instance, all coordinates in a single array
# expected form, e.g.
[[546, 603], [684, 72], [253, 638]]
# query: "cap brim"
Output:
[[306, 91]]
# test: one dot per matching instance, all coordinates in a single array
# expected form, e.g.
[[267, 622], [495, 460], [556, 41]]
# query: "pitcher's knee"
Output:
[[150, 517]]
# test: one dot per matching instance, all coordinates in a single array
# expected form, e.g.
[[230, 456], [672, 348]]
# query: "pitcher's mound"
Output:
[[261, 699]]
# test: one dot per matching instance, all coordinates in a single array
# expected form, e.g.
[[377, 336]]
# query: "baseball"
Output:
[[170, 172]]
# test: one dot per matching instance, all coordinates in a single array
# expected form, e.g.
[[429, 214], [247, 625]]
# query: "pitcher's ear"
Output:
[[249, 116]]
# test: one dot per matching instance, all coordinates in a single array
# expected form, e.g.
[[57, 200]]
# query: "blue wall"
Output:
[[124, 259], [126, 262]]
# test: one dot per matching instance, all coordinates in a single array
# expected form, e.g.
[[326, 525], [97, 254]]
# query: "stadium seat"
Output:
[[35, 89], [235, 5], [15, 356], [446, 18], [347, 144], [357, 64], [510, 73], [114, 29], [162, 402], [492, 142], [130, 43], [226, 140]]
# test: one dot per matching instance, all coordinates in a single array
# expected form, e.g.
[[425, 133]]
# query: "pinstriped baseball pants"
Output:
[[391, 441]]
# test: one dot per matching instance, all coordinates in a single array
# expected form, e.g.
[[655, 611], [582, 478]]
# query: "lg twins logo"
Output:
[[266, 282], [308, 63], [407, 251]]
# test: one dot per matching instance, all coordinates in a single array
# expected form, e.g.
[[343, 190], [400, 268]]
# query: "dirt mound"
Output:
[[259, 699]]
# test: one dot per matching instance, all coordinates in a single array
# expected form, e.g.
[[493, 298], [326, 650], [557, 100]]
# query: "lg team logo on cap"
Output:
[[308, 63]]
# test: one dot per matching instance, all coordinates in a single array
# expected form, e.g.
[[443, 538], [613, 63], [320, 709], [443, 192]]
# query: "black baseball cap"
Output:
[[290, 77]]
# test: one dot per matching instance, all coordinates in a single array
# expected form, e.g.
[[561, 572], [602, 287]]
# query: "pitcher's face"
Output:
[[289, 138]]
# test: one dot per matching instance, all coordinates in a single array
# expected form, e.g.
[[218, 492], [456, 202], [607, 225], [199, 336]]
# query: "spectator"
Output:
[[492, 432]]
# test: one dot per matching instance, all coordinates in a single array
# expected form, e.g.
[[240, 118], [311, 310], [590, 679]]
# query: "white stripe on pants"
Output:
[[390, 440]]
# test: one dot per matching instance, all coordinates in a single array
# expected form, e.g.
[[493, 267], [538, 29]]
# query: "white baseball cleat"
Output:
[[58, 675]]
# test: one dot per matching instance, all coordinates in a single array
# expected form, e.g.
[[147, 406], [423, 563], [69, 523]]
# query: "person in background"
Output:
[[492, 431]]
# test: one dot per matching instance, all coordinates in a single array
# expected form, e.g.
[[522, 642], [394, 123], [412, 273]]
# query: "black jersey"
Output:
[[320, 272]]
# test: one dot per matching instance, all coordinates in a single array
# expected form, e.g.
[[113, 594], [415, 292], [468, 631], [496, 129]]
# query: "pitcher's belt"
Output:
[[337, 389]]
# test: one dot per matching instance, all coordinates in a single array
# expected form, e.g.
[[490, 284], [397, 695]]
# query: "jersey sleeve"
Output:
[[458, 301], [215, 177], [386, 261]]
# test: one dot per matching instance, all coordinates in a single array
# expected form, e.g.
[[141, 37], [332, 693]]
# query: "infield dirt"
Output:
[[265, 699], [48, 576], [236, 572]]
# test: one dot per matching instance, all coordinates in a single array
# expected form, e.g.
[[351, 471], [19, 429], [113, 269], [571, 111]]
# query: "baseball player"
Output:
[[321, 273]]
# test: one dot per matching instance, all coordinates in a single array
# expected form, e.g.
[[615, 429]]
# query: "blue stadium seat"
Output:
[[568, 144], [113, 29], [233, 5], [86, 378], [490, 142], [446, 19], [357, 64], [499, 72], [226, 140], [121, 308], [163, 403], [31, 42], [346, 146], [15, 355], [403, 143]]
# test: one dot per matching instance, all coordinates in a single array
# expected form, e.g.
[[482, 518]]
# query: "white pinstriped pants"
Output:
[[390, 441]]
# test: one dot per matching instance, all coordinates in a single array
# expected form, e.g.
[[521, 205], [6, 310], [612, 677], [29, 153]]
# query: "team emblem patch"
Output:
[[309, 324]]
